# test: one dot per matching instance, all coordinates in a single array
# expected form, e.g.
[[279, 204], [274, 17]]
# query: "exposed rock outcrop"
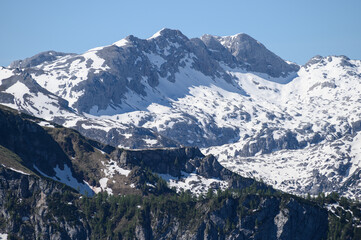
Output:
[[27, 212]]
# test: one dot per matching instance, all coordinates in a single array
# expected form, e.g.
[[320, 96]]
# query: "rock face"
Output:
[[32, 199], [24, 206], [31, 142], [39, 58], [168, 161], [137, 64], [250, 53], [184, 166], [269, 221]]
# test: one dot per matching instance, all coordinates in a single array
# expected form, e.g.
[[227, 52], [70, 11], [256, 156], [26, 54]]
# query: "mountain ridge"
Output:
[[169, 90]]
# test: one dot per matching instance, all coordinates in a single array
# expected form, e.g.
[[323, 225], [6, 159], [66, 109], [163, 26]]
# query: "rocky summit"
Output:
[[184, 118]]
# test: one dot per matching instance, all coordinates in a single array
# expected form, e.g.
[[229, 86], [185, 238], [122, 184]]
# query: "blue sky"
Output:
[[294, 30]]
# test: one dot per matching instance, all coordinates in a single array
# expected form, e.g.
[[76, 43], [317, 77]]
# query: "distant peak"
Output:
[[252, 53], [121, 42], [128, 40], [237, 35], [341, 59], [228, 36], [208, 37], [157, 34], [38, 59], [241, 37], [168, 33], [226, 40]]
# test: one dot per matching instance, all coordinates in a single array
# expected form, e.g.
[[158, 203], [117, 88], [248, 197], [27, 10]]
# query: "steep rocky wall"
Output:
[[259, 218], [25, 210]]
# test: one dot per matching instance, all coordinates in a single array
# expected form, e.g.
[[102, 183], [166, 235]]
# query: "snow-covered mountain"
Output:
[[295, 127], [309, 141], [20, 91]]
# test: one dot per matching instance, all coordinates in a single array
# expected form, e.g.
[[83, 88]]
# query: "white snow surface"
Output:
[[121, 43], [45, 124], [323, 95], [66, 176], [5, 73], [15, 170], [69, 71], [3, 236], [293, 170], [193, 182], [111, 168], [157, 34]]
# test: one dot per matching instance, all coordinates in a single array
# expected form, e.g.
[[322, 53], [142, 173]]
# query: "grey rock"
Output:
[[131, 63], [39, 222], [38, 59], [255, 55]]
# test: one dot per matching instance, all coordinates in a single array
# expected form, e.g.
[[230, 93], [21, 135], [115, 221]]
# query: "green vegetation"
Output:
[[86, 160], [16, 208], [344, 216], [11, 160], [120, 217], [117, 216], [61, 206]]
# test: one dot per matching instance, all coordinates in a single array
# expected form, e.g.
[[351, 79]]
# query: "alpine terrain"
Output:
[[216, 129]]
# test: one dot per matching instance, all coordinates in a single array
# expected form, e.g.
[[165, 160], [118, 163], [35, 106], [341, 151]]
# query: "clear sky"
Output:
[[294, 30]]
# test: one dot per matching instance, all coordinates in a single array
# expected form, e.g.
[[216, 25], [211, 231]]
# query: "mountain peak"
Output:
[[121, 42], [236, 37], [254, 54], [168, 33], [37, 59], [342, 60]]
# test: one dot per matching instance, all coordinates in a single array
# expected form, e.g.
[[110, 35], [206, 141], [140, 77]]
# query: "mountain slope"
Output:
[[320, 113], [228, 95], [30, 168], [20, 91], [66, 156]]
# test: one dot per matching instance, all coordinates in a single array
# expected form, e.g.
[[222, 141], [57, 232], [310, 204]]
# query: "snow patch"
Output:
[[121, 42], [15, 170], [3, 236], [155, 59], [157, 34], [66, 176], [111, 168], [193, 182], [45, 124], [151, 142], [5, 73]]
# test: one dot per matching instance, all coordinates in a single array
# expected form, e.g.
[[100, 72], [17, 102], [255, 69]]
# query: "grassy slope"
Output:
[[10, 160]]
